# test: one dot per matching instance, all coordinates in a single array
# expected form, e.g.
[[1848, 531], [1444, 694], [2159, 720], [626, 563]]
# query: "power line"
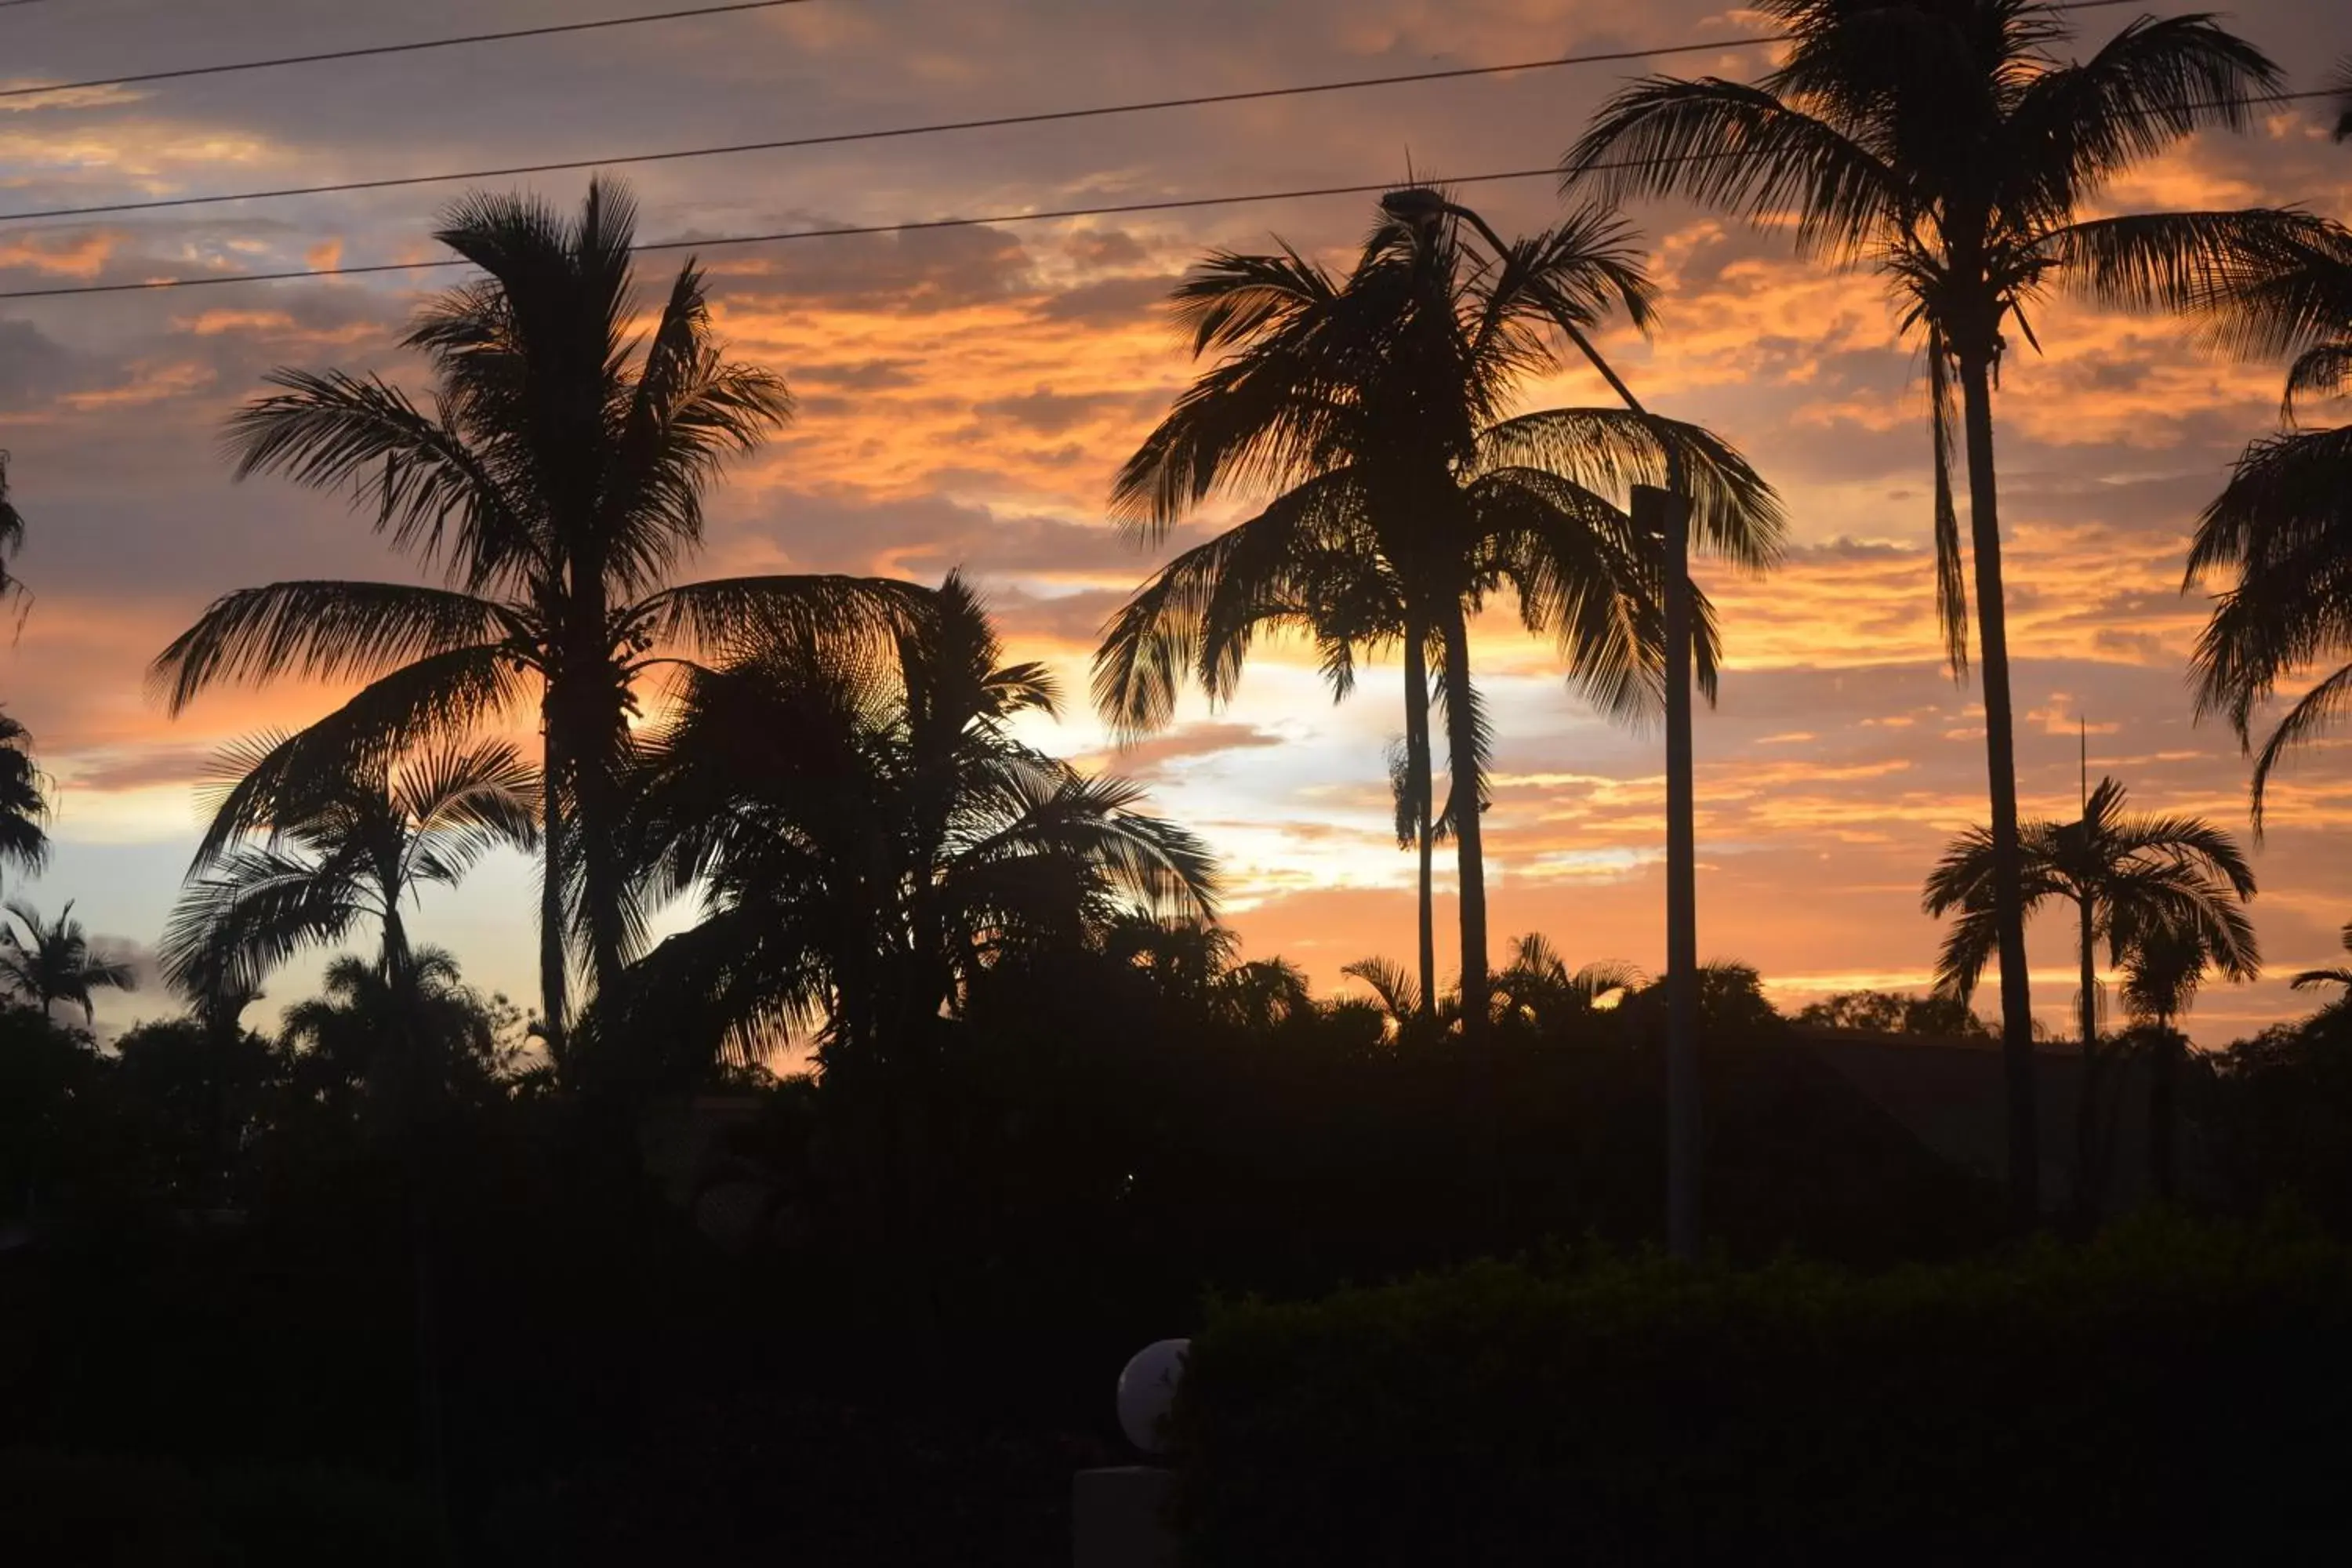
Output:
[[719, 242], [1044, 117], [844, 231], [419, 46], [1040, 117]]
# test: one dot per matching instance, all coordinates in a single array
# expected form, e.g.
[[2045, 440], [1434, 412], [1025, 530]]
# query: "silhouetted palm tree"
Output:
[[2282, 529], [49, 962], [2162, 975], [2341, 975], [1407, 1009], [557, 479], [293, 861], [12, 535], [1192, 960], [866, 834], [23, 802], [1942, 144], [390, 1048], [1538, 987], [2132, 880], [1379, 407]]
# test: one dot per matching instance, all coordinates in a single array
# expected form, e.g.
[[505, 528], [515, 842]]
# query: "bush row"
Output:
[[2169, 1388]]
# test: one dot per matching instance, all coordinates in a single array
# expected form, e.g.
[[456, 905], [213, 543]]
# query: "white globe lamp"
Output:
[[1147, 1388]]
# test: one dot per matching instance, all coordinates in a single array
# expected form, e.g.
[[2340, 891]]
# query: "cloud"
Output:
[[1162, 756]]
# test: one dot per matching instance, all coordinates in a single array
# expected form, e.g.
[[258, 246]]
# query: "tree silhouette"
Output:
[[2162, 975], [867, 835], [2282, 529], [2340, 974], [1378, 405], [12, 535], [1536, 987], [2133, 880], [49, 962], [293, 860], [1942, 144], [1192, 961], [557, 482], [24, 801]]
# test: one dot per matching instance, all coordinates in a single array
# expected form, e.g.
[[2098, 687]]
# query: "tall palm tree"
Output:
[[2132, 878], [1942, 144], [1378, 405], [24, 801], [49, 962], [291, 862], [2282, 529], [867, 835], [557, 482], [2340, 974]]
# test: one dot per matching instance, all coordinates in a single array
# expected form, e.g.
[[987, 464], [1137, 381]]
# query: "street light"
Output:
[[1664, 513]]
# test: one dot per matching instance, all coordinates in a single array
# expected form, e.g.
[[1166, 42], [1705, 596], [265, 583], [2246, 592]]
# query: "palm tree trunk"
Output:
[[1469, 839], [1417, 780], [2086, 1107], [602, 876], [1670, 515], [2163, 1082], [554, 968], [2000, 762], [1469, 842]]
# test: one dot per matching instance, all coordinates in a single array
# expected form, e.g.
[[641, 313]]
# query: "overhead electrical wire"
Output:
[[921, 225], [719, 242], [418, 46], [934, 128]]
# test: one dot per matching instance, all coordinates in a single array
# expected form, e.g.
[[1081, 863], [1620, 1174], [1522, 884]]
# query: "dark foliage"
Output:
[[2023, 1408]]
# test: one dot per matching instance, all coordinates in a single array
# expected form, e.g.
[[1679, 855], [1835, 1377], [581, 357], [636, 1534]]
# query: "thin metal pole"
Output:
[[1664, 514]]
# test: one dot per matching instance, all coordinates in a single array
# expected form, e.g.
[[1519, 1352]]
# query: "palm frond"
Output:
[[321, 631], [443, 695], [1734, 512], [359, 434], [2157, 80], [1740, 148], [1400, 997]]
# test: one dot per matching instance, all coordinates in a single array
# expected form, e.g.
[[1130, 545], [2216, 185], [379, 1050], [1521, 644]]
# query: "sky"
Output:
[[966, 395]]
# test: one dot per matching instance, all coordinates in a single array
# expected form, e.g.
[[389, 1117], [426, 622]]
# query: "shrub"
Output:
[[2168, 1388], [103, 1509]]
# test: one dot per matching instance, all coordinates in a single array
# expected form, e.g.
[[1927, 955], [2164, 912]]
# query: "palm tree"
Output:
[[1377, 405], [295, 861], [865, 835], [24, 801], [382, 1047], [2341, 975], [12, 535], [2282, 529], [1942, 144], [1539, 988], [2132, 880], [557, 482], [1191, 960], [2162, 975], [49, 962], [1405, 1008]]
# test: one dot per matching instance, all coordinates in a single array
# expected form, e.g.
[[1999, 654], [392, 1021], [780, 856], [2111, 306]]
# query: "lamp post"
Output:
[[1664, 514]]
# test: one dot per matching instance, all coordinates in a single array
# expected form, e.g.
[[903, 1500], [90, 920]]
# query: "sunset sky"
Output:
[[966, 395]]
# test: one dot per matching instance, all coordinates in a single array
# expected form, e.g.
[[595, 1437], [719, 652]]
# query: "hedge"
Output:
[[2169, 1388]]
